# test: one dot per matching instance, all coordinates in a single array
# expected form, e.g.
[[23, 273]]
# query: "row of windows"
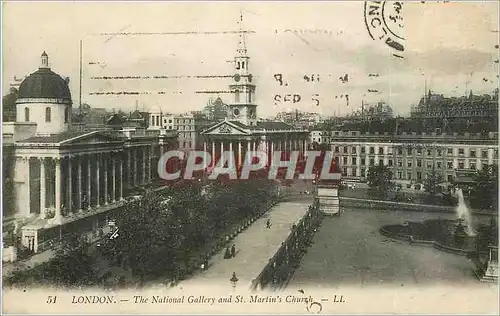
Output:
[[473, 153], [399, 175], [48, 114], [409, 164]]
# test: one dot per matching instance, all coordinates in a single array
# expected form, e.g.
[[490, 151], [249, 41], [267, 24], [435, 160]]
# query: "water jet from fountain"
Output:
[[463, 213]]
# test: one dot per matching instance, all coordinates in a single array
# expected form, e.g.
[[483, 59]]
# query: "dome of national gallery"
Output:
[[45, 84]]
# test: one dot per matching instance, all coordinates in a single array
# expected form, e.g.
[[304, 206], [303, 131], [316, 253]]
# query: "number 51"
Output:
[[51, 299]]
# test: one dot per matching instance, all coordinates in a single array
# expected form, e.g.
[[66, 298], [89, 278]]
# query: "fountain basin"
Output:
[[440, 233]]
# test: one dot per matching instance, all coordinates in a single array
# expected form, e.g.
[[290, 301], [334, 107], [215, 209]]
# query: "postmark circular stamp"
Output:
[[384, 22]]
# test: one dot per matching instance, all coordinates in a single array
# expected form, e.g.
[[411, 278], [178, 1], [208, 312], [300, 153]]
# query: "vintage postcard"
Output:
[[250, 157]]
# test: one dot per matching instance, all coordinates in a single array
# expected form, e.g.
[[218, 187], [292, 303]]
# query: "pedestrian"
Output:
[[227, 254], [233, 251], [268, 224]]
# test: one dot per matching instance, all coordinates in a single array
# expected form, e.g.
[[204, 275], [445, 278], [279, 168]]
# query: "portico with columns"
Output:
[[78, 177], [239, 139]]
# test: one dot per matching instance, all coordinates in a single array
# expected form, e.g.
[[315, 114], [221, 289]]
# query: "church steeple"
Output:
[[242, 108], [242, 45]]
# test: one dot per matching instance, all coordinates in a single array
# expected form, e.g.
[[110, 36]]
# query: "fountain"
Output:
[[463, 213]]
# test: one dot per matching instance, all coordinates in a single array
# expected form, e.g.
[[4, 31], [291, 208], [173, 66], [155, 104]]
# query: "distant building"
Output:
[[368, 112], [299, 119], [471, 107], [410, 156], [188, 126], [216, 111]]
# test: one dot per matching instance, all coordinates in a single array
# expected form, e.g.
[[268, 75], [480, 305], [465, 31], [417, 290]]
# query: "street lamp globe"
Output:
[[234, 280]]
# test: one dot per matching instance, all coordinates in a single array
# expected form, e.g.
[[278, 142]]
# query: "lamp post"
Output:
[[234, 280]]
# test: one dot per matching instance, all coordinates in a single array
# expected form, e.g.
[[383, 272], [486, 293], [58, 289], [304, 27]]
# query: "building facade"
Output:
[[410, 156], [242, 131], [60, 180]]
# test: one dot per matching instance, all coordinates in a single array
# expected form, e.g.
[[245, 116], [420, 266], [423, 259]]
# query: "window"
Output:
[[66, 115], [429, 164], [419, 175], [409, 151], [170, 121], [400, 175], [363, 161], [473, 153], [344, 160], [354, 160], [242, 65], [400, 163], [381, 151], [238, 66], [381, 162], [419, 162], [345, 150], [390, 162], [484, 154], [237, 95], [26, 114], [363, 149], [419, 151], [450, 164], [344, 171], [354, 172], [400, 151], [409, 164], [460, 151], [249, 96], [363, 172], [372, 150], [336, 149], [429, 152], [48, 114], [438, 165], [450, 151], [473, 165], [408, 176], [460, 165], [372, 162], [439, 152], [353, 150], [495, 153]]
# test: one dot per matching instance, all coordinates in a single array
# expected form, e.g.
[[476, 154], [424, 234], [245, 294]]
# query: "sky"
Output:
[[449, 48]]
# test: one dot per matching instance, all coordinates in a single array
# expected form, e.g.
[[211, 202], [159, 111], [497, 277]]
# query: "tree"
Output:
[[432, 182], [149, 237], [379, 177], [485, 194]]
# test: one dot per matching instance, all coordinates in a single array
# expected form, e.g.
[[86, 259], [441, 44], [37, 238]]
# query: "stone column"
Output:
[[98, 182], [43, 192], [136, 162], [113, 162], [79, 182], [230, 164], [205, 153], [213, 152], [121, 180], [150, 157], [254, 144], [239, 153], [129, 168], [89, 182], [106, 188], [221, 148], [144, 164], [70, 187], [58, 183]]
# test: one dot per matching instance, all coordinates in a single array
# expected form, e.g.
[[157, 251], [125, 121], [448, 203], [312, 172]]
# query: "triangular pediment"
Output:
[[225, 128], [90, 138]]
